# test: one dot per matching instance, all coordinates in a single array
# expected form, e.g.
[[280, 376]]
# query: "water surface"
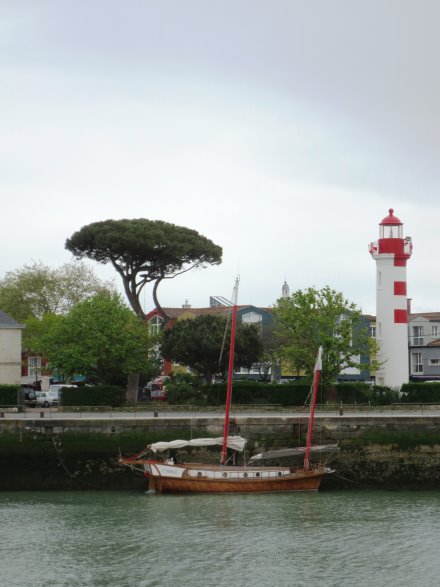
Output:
[[302, 539]]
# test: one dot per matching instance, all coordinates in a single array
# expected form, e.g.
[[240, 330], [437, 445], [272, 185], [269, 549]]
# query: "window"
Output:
[[435, 331], [155, 325], [434, 361], [373, 331], [254, 370], [417, 335], [251, 318], [34, 366], [416, 363]]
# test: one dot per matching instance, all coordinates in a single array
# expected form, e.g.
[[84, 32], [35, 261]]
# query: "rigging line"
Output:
[[354, 482], [59, 457], [309, 395], [224, 339], [228, 318]]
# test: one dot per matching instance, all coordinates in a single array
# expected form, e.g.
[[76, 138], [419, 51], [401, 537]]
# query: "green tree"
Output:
[[144, 251], [36, 330], [312, 318], [35, 290], [271, 354], [197, 343], [100, 338]]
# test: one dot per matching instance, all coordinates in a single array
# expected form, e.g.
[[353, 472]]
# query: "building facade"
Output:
[[10, 350], [364, 375], [424, 346], [246, 314], [423, 349]]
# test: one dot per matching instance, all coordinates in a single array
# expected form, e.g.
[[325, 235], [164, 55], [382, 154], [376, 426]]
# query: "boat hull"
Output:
[[299, 481]]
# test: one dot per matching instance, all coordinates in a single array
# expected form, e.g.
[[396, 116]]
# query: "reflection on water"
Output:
[[127, 539]]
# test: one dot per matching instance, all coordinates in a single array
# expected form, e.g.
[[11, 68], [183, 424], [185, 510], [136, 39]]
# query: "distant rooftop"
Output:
[[435, 316], [222, 310], [7, 321]]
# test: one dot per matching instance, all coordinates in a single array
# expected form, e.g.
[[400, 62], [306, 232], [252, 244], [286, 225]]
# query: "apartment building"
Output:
[[424, 346]]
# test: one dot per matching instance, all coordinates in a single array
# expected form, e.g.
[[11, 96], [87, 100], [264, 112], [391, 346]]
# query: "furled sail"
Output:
[[234, 443]]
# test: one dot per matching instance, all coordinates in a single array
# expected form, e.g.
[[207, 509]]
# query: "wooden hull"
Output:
[[297, 481]]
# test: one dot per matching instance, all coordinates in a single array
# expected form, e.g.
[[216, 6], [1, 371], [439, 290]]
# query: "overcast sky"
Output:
[[282, 130]]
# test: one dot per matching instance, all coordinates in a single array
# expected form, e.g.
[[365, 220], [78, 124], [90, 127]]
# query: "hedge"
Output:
[[9, 394], [244, 392], [98, 395], [291, 394], [420, 392]]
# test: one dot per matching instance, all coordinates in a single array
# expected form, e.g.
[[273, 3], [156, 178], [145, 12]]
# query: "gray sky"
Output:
[[282, 130]]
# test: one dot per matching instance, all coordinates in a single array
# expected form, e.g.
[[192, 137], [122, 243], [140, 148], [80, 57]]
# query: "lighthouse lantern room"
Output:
[[391, 253]]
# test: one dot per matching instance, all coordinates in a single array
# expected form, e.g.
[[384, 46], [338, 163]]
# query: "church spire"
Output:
[[285, 290]]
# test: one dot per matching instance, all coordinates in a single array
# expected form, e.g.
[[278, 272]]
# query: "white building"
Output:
[[10, 350], [424, 343]]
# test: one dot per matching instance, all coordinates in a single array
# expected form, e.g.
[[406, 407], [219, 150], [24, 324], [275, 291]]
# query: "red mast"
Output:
[[318, 368], [230, 373]]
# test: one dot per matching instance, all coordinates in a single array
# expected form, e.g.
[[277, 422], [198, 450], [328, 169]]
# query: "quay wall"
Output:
[[386, 451]]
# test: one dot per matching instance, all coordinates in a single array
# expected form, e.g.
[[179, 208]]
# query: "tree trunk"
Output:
[[132, 387], [156, 301]]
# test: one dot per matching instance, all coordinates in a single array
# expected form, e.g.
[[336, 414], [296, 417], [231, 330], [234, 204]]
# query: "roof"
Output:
[[7, 321], [224, 310], [176, 313], [435, 342], [432, 316], [391, 219], [369, 317]]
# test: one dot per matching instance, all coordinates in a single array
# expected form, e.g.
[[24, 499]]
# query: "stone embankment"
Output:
[[375, 451]]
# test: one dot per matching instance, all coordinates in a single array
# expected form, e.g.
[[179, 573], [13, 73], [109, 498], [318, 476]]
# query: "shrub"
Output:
[[352, 392], [186, 394], [379, 395]]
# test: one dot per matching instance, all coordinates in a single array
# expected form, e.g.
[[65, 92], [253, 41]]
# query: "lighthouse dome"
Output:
[[391, 219]]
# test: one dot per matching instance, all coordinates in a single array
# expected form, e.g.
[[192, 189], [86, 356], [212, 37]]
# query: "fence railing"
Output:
[[148, 411]]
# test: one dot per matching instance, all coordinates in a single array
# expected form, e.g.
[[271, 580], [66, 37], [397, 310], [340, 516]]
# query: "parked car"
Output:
[[58, 386], [155, 390], [51, 397], [48, 398], [158, 392], [30, 396]]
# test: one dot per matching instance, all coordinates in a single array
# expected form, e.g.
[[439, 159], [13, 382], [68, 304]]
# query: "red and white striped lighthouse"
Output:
[[391, 253]]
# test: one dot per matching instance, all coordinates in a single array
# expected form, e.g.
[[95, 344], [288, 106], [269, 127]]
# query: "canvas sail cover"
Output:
[[234, 442], [291, 452]]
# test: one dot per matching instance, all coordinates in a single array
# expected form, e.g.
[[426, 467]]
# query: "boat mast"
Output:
[[318, 368], [230, 372]]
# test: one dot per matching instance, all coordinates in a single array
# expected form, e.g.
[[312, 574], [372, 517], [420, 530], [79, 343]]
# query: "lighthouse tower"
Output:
[[391, 253]]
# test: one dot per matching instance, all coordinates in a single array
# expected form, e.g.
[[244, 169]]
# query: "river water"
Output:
[[124, 539]]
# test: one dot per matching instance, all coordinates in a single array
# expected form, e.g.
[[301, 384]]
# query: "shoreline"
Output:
[[59, 453]]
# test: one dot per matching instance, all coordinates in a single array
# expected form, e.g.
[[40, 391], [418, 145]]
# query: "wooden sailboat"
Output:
[[166, 476]]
